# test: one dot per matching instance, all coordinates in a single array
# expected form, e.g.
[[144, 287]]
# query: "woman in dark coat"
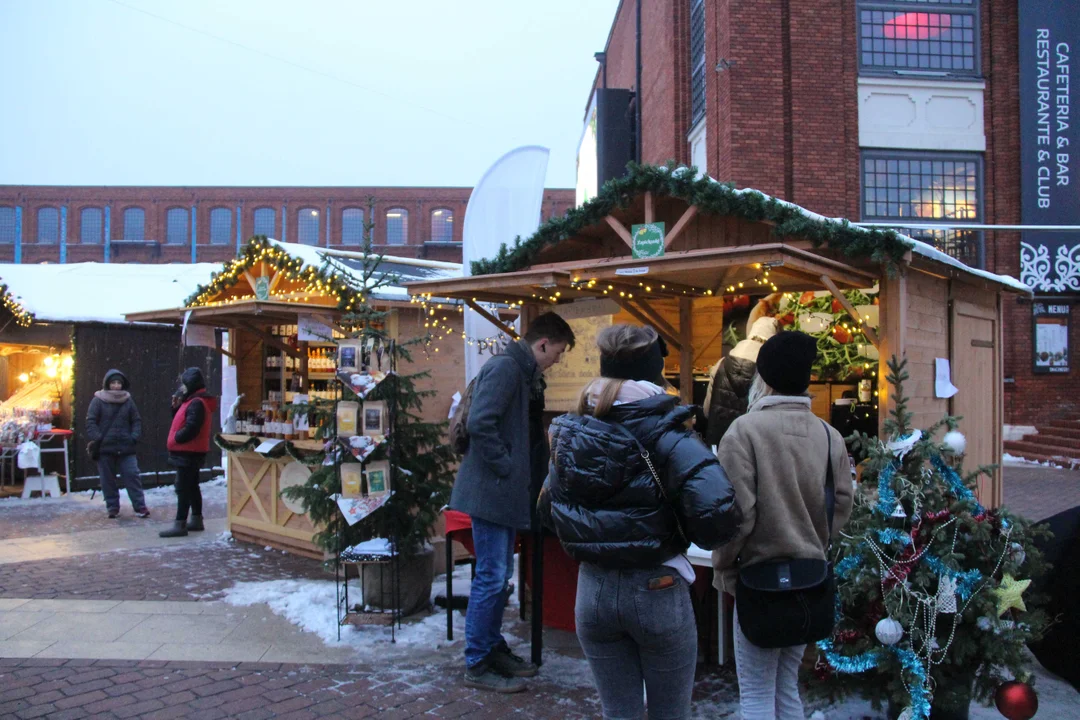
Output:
[[114, 426], [189, 441], [630, 529]]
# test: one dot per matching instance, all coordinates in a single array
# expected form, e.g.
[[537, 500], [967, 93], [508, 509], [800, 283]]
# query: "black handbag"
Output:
[[790, 601]]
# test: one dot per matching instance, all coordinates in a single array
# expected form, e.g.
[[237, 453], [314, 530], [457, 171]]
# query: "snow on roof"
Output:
[[100, 292], [403, 268], [917, 246]]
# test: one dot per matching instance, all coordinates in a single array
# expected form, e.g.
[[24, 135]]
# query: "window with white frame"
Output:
[[264, 221], [919, 37], [352, 226], [697, 61], [926, 187], [176, 226], [48, 225], [91, 226], [397, 226], [221, 226], [442, 225], [307, 227], [135, 225]]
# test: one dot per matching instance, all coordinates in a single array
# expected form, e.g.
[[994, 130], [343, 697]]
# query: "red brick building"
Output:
[[866, 109], [207, 224]]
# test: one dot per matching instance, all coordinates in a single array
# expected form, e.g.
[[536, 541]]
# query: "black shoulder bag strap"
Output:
[[655, 476], [830, 488]]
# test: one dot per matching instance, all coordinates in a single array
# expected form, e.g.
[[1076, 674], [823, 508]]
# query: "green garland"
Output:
[[286, 447], [711, 198], [23, 317]]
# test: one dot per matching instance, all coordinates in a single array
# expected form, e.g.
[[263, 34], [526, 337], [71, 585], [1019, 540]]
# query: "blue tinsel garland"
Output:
[[966, 580], [845, 566], [886, 497], [956, 483], [891, 535], [920, 698], [850, 664]]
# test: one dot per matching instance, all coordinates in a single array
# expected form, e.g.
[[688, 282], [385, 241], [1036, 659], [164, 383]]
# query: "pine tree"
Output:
[[922, 560], [421, 460]]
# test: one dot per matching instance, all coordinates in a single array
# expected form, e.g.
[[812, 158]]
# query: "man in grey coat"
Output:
[[493, 488]]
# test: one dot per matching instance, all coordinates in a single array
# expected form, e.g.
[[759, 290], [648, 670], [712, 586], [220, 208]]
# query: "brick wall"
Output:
[[157, 201]]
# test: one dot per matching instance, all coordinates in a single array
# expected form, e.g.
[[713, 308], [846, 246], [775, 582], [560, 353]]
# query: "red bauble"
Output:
[[1016, 700]]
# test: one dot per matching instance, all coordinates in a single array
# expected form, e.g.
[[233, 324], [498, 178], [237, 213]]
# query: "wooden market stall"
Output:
[[281, 304], [708, 241]]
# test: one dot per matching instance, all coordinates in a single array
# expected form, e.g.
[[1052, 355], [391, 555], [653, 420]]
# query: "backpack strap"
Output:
[[830, 488]]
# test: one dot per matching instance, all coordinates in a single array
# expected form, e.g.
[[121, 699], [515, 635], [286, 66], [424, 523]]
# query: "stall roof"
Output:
[[99, 292], [343, 262]]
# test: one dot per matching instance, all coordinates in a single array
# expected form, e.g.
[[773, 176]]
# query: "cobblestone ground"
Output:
[[196, 572]]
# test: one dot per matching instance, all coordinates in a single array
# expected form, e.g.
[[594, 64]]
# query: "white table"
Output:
[[725, 647]]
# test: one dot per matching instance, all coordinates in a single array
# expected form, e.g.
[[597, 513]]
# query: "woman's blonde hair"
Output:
[[758, 389], [614, 341]]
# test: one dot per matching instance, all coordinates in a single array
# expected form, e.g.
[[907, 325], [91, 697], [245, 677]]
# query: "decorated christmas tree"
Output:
[[421, 462], [934, 606]]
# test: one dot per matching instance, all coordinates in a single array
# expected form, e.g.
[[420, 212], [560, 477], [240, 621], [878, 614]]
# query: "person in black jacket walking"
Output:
[[114, 425], [630, 487], [189, 441]]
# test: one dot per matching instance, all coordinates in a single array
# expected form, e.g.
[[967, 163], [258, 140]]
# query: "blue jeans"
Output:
[[128, 467], [633, 635], [494, 546]]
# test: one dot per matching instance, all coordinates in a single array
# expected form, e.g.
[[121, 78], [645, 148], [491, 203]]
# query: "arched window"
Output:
[[135, 224], [176, 226], [264, 221], [397, 226], [90, 226], [352, 226], [48, 225], [442, 225], [220, 226], [307, 229], [7, 226]]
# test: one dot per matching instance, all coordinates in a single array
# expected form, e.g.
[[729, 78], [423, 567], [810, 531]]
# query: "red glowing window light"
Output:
[[917, 26]]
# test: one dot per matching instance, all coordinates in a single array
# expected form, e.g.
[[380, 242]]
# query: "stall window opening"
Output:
[[135, 225], [221, 226], [442, 225], [91, 226], [7, 225], [397, 226], [925, 187], [352, 226], [697, 61], [308, 226], [919, 37], [176, 226], [48, 225], [264, 221]]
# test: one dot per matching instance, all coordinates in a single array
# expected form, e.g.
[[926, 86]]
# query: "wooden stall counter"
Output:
[[256, 511]]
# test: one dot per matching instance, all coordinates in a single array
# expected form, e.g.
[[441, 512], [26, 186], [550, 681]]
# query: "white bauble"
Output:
[[955, 441], [889, 631]]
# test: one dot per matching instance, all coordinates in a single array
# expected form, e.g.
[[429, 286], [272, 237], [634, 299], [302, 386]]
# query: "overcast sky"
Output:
[[280, 92]]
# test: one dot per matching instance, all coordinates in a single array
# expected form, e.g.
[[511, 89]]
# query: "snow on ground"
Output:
[[213, 491], [1008, 459]]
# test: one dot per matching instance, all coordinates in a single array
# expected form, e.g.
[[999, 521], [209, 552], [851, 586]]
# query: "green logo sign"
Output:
[[648, 240], [262, 288]]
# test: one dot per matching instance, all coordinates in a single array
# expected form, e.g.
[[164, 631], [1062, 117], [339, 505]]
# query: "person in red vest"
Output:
[[189, 441]]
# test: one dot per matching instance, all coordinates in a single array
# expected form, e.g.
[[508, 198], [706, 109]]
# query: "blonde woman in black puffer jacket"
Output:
[[630, 528]]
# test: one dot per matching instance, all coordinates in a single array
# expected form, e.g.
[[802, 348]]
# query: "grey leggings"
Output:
[[634, 635]]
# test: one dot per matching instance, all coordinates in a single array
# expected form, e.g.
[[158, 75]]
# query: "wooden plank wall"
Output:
[[708, 317], [927, 338]]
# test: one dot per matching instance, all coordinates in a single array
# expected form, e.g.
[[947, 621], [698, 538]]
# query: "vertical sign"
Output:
[[1049, 145], [1051, 330]]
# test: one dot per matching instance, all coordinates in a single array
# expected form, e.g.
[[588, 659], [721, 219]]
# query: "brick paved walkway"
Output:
[[1038, 492]]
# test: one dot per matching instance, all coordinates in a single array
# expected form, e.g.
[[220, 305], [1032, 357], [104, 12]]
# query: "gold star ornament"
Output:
[[1009, 594]]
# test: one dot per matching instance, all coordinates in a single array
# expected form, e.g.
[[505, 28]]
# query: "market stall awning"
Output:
[[232, 314], [712, 271]]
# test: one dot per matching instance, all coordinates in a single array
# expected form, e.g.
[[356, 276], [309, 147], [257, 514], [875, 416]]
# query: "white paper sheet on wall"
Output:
[[228, 390], [943, 387]]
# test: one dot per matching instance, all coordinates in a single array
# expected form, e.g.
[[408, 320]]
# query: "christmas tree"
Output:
[[421, 461], [933, 607]]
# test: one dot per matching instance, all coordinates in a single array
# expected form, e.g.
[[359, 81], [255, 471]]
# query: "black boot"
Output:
[[196, 523], [179, 529]]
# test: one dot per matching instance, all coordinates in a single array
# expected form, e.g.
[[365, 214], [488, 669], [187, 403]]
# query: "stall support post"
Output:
[[305, 384], [686, 352], [893, 332]]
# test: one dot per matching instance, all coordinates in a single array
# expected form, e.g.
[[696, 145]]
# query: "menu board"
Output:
[[1051, 337]]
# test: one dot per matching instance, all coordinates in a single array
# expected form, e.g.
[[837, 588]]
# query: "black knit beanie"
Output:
[[785, 361], [647, 364]]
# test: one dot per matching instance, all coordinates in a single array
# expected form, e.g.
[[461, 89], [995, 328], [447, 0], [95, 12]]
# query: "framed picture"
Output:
[[348, 423], [1051, 337], [349, 356], [378, 478], [374, 418], [351, 480]]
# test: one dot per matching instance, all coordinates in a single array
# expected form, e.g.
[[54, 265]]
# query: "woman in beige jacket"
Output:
[[775, 457]]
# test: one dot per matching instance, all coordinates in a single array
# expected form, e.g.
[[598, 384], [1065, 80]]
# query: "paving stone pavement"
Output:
[[254, 691], [1039, 492]]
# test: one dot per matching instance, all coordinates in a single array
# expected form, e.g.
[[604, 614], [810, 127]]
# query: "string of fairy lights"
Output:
[[22, 316]]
